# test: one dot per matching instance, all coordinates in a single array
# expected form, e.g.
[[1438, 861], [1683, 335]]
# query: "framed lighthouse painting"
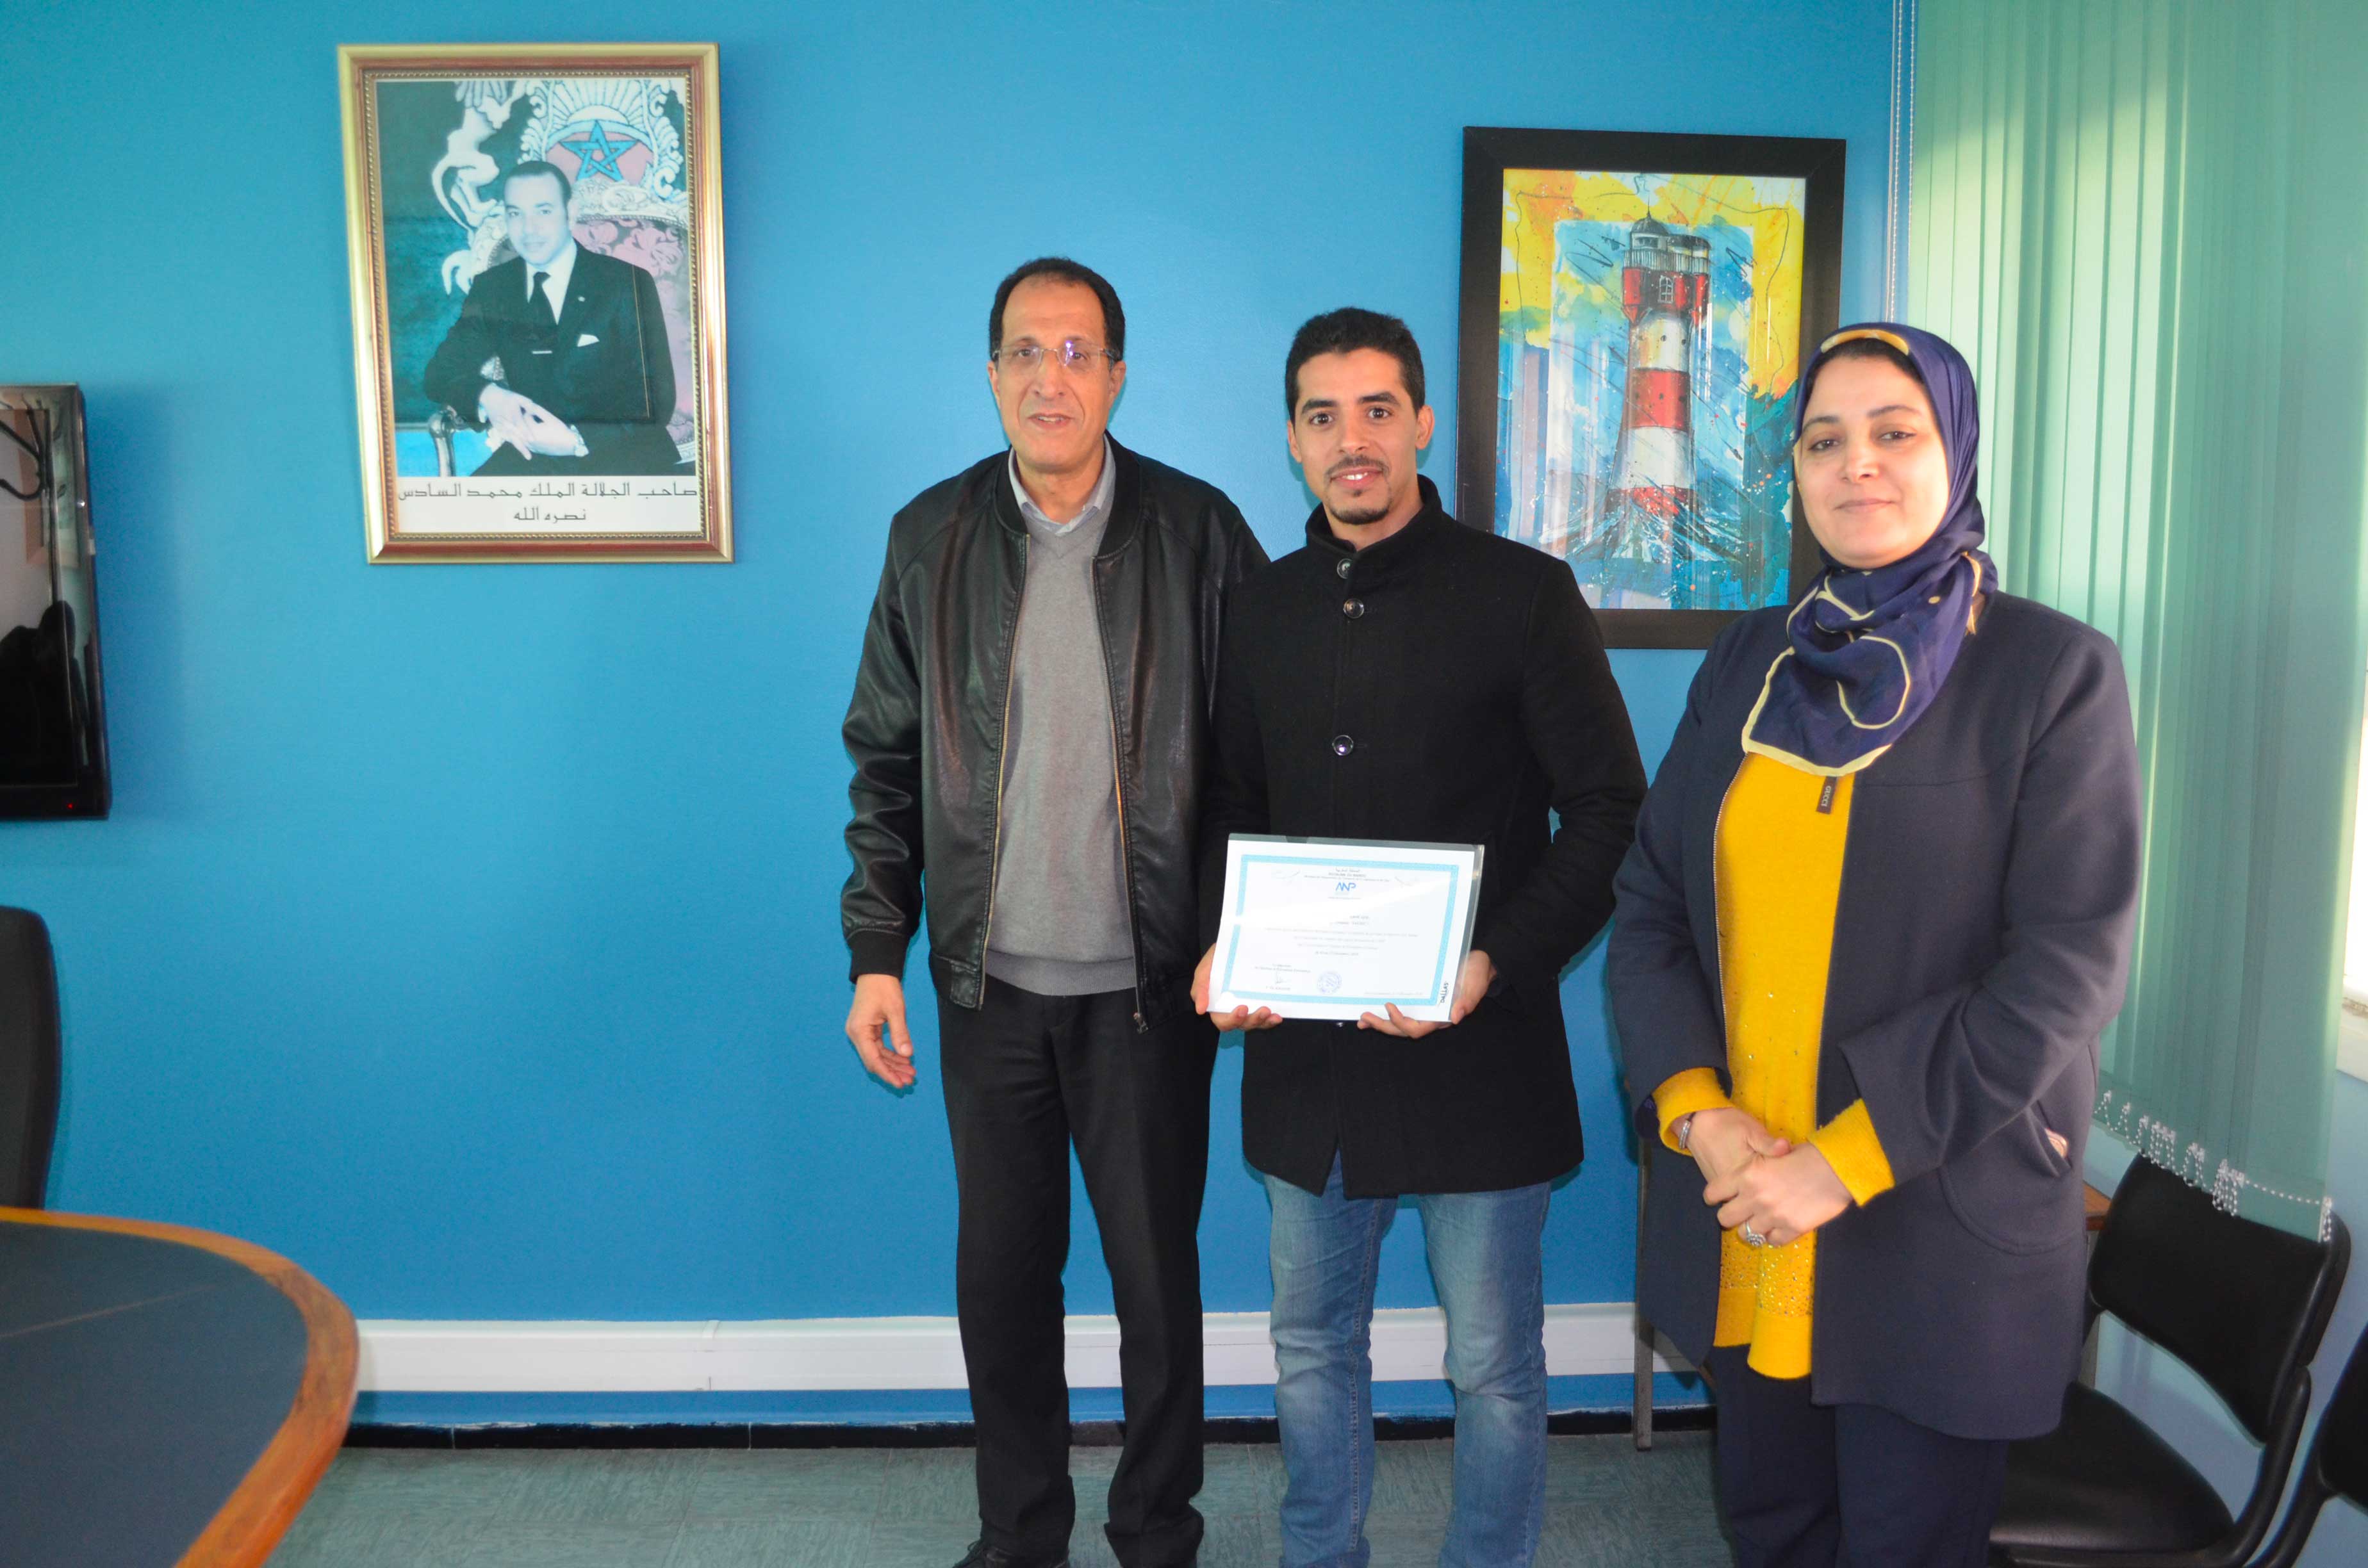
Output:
[[1637, 310]]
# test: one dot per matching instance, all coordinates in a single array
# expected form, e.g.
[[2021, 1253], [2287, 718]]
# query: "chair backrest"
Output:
[[2242, 1303], [2341, 1449], [2337, 1465], [28, 1058]]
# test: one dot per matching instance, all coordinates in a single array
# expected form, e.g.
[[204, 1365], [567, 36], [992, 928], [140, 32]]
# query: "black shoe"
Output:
[[982, 1555]]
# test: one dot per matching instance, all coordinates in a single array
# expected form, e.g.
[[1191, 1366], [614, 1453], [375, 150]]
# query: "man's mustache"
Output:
[[1345, 464]]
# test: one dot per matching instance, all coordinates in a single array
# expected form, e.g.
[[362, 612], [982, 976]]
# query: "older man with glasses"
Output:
[[1028, 729]]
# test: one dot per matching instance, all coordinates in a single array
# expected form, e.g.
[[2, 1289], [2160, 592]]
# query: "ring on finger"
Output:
[[1752, 1238]]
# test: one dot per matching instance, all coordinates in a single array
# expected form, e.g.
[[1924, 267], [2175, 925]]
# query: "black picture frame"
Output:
[[1488, 152]]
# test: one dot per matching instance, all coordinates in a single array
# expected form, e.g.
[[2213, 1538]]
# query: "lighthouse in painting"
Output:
[[1664, 290]]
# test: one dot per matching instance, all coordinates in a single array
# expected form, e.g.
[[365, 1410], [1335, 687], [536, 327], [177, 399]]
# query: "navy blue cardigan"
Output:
[[1982, 943]]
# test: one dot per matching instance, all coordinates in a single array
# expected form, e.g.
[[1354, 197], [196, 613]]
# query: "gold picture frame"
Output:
[[487, 432]]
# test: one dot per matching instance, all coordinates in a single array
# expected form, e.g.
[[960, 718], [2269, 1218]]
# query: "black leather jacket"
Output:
[[925, 725]]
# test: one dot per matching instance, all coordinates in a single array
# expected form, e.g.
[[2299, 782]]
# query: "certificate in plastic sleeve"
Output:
[[1335, 928]]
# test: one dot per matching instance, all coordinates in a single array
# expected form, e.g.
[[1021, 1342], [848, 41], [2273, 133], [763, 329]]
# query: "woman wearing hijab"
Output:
[[1878, 910]]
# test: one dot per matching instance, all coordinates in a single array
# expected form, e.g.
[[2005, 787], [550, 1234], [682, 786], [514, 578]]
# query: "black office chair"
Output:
[[2337, 1465], [28, 1058], [2245, 1306]]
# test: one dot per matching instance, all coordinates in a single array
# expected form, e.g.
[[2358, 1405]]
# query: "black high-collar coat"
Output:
[[1444, 686]]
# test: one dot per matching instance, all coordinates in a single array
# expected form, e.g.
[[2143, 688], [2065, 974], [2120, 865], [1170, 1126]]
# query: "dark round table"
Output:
[[166, 1395]]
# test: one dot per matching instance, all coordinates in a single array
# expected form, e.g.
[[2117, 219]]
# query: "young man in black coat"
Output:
[[1403, 678]]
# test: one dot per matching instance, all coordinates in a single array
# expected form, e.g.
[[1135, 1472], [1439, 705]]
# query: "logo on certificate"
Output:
[[1328, 982]]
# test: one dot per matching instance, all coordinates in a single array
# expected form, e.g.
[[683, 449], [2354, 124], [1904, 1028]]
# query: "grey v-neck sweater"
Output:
[[1059, 924]]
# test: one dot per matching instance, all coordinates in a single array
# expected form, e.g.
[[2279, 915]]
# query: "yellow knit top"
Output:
[[1782, 835]]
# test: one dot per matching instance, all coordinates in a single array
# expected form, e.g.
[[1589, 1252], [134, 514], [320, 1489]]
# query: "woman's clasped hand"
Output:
[[1759, 1183]]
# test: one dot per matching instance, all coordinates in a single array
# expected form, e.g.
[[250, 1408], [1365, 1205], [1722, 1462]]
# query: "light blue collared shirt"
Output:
[[1097, 506]]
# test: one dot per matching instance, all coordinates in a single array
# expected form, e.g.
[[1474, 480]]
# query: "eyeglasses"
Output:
[[1027, 359]]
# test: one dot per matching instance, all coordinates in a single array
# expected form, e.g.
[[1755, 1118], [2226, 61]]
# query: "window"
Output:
[[2351, 1031]]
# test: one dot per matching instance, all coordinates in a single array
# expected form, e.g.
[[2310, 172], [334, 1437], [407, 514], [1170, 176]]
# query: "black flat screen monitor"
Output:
[[52, 716]]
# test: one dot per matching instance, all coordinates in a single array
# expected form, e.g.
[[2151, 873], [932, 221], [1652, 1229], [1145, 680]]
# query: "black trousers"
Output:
[[1025, 1076], [1846, 1485]]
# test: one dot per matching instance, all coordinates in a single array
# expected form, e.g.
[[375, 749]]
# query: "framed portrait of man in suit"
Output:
[[537, 248]]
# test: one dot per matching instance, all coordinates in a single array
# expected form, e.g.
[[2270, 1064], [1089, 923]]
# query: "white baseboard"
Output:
[[802, 1354]]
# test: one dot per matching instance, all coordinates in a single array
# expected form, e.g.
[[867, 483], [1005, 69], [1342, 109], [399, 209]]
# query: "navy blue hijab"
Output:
[[1869, 650]]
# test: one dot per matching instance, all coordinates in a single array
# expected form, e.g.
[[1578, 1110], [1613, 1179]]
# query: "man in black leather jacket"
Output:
[[1028, 730]]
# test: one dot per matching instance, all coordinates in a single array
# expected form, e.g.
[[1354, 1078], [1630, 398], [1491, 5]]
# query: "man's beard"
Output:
[[1370, 510]]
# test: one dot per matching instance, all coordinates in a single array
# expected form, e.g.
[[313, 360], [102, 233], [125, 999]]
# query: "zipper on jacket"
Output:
[[1002, 767], [1118, 787]]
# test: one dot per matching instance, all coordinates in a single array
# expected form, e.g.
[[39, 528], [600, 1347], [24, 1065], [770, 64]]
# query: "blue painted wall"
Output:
[[470, 933]]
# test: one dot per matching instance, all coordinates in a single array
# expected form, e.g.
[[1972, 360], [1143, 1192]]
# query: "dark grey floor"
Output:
[[1606, 1504]]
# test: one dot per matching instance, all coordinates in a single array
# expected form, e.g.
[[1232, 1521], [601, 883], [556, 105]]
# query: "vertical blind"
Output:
[[2146, 223]]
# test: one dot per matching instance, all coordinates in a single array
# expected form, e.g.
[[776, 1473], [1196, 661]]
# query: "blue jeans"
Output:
[[1486, 1262]]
